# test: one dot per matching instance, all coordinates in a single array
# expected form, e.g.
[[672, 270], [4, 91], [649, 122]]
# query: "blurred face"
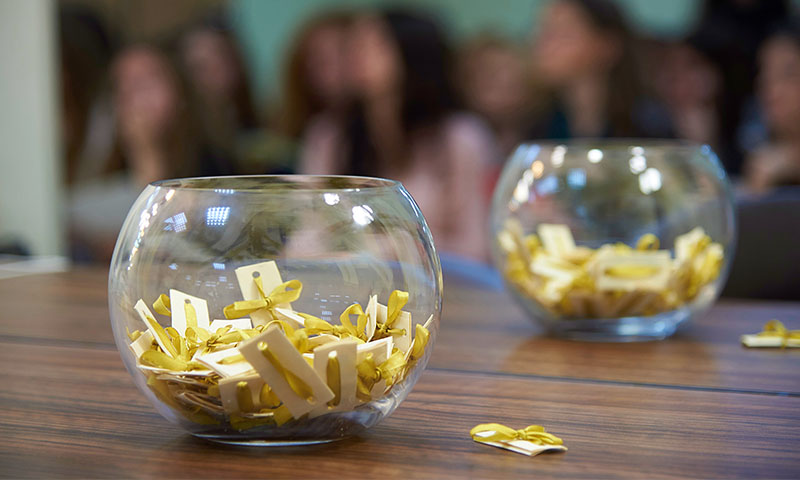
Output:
[[686, 78], [145, 94], [375, 66], [779, 85], [495, 83], [569, 46], [325, 63], [210, 64]]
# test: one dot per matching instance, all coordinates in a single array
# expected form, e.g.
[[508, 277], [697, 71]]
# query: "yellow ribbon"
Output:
[[648, 241], [268, 398], [774, 328], [161, 334], [316, 326], [296, 383], [286, 292], [397, 300], [334, 380], [532, 433], [369, 374], [244, 397], [162, 305], [421, 338]]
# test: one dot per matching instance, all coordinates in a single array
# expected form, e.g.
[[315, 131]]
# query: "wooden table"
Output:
[[697, 405]]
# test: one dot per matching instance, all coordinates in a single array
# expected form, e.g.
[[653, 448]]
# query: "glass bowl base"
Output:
[[265, 442], [626, 329]]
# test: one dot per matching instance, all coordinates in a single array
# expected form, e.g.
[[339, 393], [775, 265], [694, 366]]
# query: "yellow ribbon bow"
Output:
[[532, 433], [315, 326], [369, 374], [397, 300], [286, 292], [774, 328]]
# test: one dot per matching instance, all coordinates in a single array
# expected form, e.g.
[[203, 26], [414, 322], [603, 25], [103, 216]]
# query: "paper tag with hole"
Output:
[[270, 278], [290, 359], [178, 305], [228, 391], [345, 352]]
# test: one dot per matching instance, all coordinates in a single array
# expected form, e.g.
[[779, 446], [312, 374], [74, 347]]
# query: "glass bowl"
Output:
[[275, 310], [613, 240]]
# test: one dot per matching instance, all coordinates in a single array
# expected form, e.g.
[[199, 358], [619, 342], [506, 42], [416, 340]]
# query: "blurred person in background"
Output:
[[777, 161], [734, 30], [583, 54], [87, 125], [315, 82], [494, 81], [689, 83], [404, 126], [156, 138], [220, 93]]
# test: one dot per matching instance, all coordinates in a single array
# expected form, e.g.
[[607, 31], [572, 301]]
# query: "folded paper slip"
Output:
[[775, 334], [531, 440]]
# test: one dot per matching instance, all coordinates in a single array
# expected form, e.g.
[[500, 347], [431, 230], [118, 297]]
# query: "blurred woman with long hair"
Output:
[[405, 125], [584, 53]]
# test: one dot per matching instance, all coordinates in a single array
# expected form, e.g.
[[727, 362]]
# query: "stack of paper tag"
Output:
[[615, 280], [265, 363]]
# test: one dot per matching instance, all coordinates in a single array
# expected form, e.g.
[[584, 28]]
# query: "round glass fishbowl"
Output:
[[275, 310], [613, 240]]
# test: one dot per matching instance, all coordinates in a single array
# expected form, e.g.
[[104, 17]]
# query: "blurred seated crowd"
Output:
[[386, 93]]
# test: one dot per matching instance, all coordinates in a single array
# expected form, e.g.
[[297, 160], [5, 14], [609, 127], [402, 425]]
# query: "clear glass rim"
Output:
[[266, 183], [616, 144]]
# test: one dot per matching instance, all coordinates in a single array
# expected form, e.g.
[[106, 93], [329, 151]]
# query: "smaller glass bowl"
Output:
[[613, 240]]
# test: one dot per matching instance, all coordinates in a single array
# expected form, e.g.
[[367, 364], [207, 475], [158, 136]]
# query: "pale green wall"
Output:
[[30, 177], [266, 27]]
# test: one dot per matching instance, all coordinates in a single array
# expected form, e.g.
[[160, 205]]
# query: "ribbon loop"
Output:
[[286, 292], [501, 433]]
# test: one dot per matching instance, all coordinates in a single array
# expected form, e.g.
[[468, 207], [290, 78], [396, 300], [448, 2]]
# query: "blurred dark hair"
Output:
[[625, 86], [788, 29], [86, 48], [246, 116], [427, 95], [300, 101]]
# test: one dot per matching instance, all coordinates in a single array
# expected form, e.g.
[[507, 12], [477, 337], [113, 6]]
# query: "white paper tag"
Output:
[[290, 359], [372, 317], [270, 278], [147, 317], [345, 352], [142, 344], [212, 361], [240, 323], [178, 301], [228, 387]]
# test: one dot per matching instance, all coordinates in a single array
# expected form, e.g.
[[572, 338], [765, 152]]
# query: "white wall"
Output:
[[30, 186]]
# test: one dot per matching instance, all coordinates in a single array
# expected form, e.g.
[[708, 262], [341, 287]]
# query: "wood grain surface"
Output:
[[695, 406]]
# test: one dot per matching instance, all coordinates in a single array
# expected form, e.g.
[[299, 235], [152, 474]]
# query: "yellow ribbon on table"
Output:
[[369, 374], [775, 328], [397, 300], [286, 292], [301, 388], [532, 433]]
